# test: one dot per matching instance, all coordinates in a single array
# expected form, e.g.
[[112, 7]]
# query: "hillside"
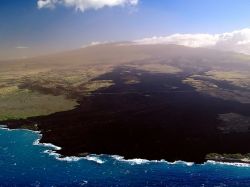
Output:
[[69, 75]]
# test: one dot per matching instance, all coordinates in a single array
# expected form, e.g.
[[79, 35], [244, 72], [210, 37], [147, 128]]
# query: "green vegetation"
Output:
[[205, 85], [96, 85], [157, 68], [21, 103], [73, 83], [225, 157], [33, 93], [237, 78]]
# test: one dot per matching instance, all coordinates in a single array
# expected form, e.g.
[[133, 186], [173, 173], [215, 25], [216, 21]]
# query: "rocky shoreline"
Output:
[[229, 158]]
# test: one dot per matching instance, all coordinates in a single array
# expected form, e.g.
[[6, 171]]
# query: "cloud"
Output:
[[237, 41], [83, 5], [46, 3], [95, 43]]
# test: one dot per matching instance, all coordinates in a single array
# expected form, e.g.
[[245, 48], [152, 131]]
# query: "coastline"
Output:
[[229, 158], [182, 127], [97, 158]]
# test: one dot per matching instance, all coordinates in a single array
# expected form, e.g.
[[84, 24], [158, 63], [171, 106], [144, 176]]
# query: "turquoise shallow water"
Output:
[[25, 164]]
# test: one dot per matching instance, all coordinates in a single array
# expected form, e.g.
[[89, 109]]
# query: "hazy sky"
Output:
[[31, 27]]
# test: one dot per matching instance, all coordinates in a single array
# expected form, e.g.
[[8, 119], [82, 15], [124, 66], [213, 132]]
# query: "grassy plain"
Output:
[[20, 104]]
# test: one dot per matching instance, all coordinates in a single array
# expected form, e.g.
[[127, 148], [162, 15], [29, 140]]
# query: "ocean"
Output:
[[25, 162]]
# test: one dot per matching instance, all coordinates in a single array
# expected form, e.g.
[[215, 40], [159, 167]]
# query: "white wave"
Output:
[[69, 158], [52, 153], [54, 147], [60, 158], [117, 157], [33, 131], [135, 161], [184, 163], [236, 164], [83, 183], [178, 162], [138, 161], [4, 127], [94, 158], [144, 161], [51, 145]]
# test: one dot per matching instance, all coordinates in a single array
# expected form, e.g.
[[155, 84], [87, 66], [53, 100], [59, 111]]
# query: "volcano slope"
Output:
[[138, 101]]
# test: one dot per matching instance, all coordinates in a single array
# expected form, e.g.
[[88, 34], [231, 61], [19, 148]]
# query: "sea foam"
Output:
[[138, 161], [54, 148], [130, 161], [237, 164], [94, 158]]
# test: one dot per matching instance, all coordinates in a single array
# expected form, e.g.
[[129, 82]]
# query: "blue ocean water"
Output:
[[24, 164]]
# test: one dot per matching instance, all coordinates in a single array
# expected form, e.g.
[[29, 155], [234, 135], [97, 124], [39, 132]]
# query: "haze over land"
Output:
[[71, 73], [78, 93]]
